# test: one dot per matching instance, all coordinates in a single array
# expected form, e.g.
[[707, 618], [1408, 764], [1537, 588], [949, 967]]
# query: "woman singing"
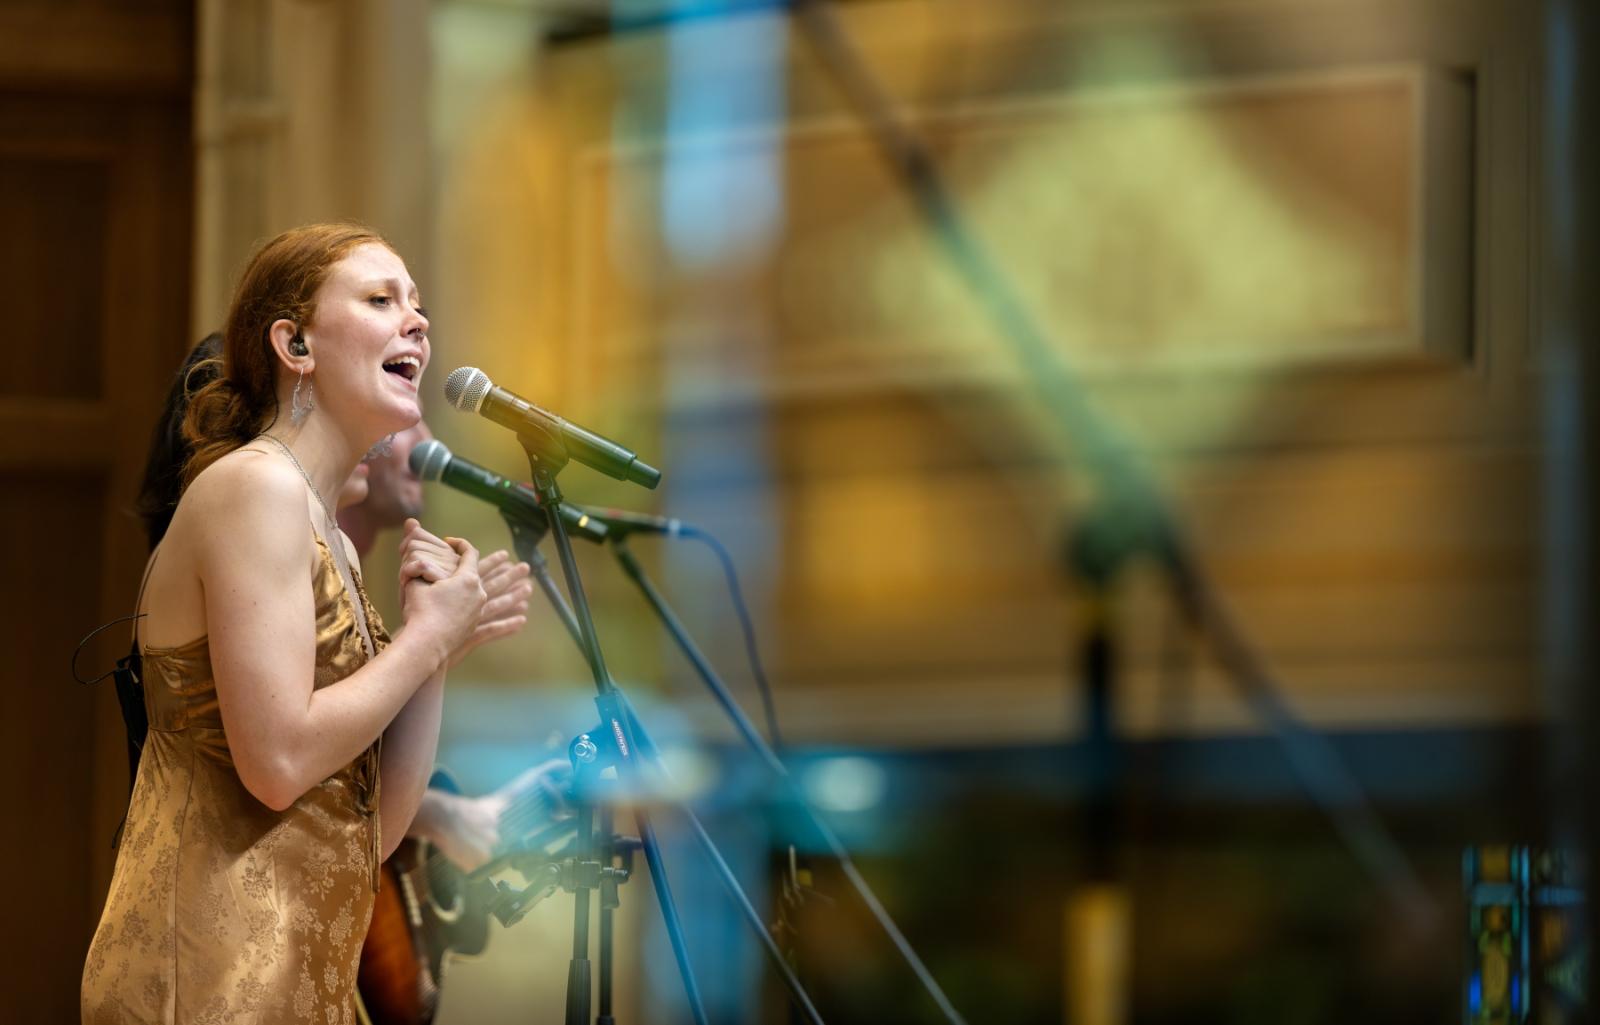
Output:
[[247, 866]]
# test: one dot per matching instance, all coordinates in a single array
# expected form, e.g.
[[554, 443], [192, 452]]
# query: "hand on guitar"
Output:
[[465, 829], [468, 830], [427, 905]]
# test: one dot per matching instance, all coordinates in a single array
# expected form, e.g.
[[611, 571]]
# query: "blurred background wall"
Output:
[[1285, 249]]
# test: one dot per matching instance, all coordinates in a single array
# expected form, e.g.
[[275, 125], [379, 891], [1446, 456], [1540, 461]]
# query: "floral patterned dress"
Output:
[[221, 909]]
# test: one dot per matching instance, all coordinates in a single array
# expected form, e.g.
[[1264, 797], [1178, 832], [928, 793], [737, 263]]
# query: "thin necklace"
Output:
[[309, 482], [337, 552]]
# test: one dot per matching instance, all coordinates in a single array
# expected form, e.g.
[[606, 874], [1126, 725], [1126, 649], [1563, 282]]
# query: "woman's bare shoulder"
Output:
[[239, 527], [248, 477], [248, 493]]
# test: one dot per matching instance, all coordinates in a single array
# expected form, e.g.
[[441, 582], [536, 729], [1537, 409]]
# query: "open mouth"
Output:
[[408, 367]]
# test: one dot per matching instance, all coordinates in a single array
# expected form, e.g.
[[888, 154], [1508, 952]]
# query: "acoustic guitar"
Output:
[[426, 908]]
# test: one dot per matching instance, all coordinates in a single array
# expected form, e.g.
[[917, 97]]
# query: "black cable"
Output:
[[737, 594]]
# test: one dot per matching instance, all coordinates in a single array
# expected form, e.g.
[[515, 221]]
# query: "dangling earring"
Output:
[[382, 450], [297, 411]]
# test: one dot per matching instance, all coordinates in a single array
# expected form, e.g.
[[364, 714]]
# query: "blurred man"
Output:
[[465, 829], [393, 492]]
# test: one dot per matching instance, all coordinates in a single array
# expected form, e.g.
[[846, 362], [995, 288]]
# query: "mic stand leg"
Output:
[[546, 456], [578, 968], [608, 903], [797, 990], [802, 1000], [635, 572]]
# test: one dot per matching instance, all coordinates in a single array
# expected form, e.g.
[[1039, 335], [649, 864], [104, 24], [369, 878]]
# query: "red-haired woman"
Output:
[[277, 702]]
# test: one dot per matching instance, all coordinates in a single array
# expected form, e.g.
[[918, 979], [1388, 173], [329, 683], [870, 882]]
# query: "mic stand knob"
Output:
[[511, 904]]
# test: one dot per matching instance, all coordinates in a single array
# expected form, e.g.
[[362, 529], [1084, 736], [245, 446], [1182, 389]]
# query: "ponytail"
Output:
[[220, 419]]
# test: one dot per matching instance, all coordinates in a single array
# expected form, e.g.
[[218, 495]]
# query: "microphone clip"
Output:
[[546, 450]]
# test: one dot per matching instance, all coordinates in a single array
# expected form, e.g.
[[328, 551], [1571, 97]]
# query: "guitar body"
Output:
[[425, 908], [398, 979]]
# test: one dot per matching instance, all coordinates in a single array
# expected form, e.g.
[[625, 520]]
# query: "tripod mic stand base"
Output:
[[578, 991]]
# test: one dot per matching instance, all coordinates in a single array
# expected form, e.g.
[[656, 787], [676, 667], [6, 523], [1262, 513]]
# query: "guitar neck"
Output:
[[525, 812]]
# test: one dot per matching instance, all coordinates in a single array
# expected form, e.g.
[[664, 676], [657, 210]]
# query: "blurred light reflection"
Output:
[[848, 784], [720, 205]]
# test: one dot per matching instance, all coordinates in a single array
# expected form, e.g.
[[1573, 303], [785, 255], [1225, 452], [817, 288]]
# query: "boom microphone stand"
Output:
[[619, 740], [525, 538], [547, 455]]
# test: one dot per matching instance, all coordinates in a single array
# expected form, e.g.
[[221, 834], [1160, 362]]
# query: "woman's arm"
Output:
[[410, 745], [411, 742], [254, 559]]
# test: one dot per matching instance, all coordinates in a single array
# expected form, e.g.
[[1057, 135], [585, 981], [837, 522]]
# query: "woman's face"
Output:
[[369, 337]]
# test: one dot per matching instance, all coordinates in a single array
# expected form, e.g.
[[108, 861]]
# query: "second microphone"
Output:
[[433, 461]]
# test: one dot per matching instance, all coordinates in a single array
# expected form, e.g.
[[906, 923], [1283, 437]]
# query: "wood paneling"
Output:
[[54, 252], [1317, 217], [49, 736], [95, 160], [307, 112], [92, 47]]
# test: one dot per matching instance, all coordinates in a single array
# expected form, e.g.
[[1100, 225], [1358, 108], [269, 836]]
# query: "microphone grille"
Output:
[[466, 387], [429, 459]]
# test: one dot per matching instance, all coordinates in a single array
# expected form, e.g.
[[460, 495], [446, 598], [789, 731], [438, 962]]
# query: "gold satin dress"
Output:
[[222, 910]]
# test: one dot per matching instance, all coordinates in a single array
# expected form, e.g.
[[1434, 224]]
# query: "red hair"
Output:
[[280, 283]]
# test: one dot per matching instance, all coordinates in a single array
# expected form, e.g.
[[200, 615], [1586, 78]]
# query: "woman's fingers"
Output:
[[414, 530], [498, 562], [421, 569], [508, 581], [513, 602], [420, 543], [498, 575], [487, 632], [415, 538], [445, 563], [426, 544]]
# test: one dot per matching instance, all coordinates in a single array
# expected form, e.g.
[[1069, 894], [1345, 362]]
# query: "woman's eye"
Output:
[[422, 311], [379, 300]]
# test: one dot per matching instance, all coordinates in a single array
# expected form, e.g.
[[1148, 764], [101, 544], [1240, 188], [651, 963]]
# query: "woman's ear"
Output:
[[289, 342]]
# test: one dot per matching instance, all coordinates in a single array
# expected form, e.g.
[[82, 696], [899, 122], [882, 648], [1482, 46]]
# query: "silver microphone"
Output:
[[470, 390]]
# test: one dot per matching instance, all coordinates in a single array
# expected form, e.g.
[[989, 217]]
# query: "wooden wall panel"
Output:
[[1362, 475], [82, 47], [306, 112], [53, 252], [1311, 217], [49, 737], [95, 161]]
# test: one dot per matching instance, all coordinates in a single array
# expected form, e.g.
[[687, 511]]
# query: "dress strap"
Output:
[[348, 580], [138, 601]]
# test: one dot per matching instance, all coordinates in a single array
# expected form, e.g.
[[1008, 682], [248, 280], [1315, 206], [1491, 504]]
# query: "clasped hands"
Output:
[[427, 560]]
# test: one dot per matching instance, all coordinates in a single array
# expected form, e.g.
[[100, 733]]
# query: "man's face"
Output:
[[354, 491], [394, 493]]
